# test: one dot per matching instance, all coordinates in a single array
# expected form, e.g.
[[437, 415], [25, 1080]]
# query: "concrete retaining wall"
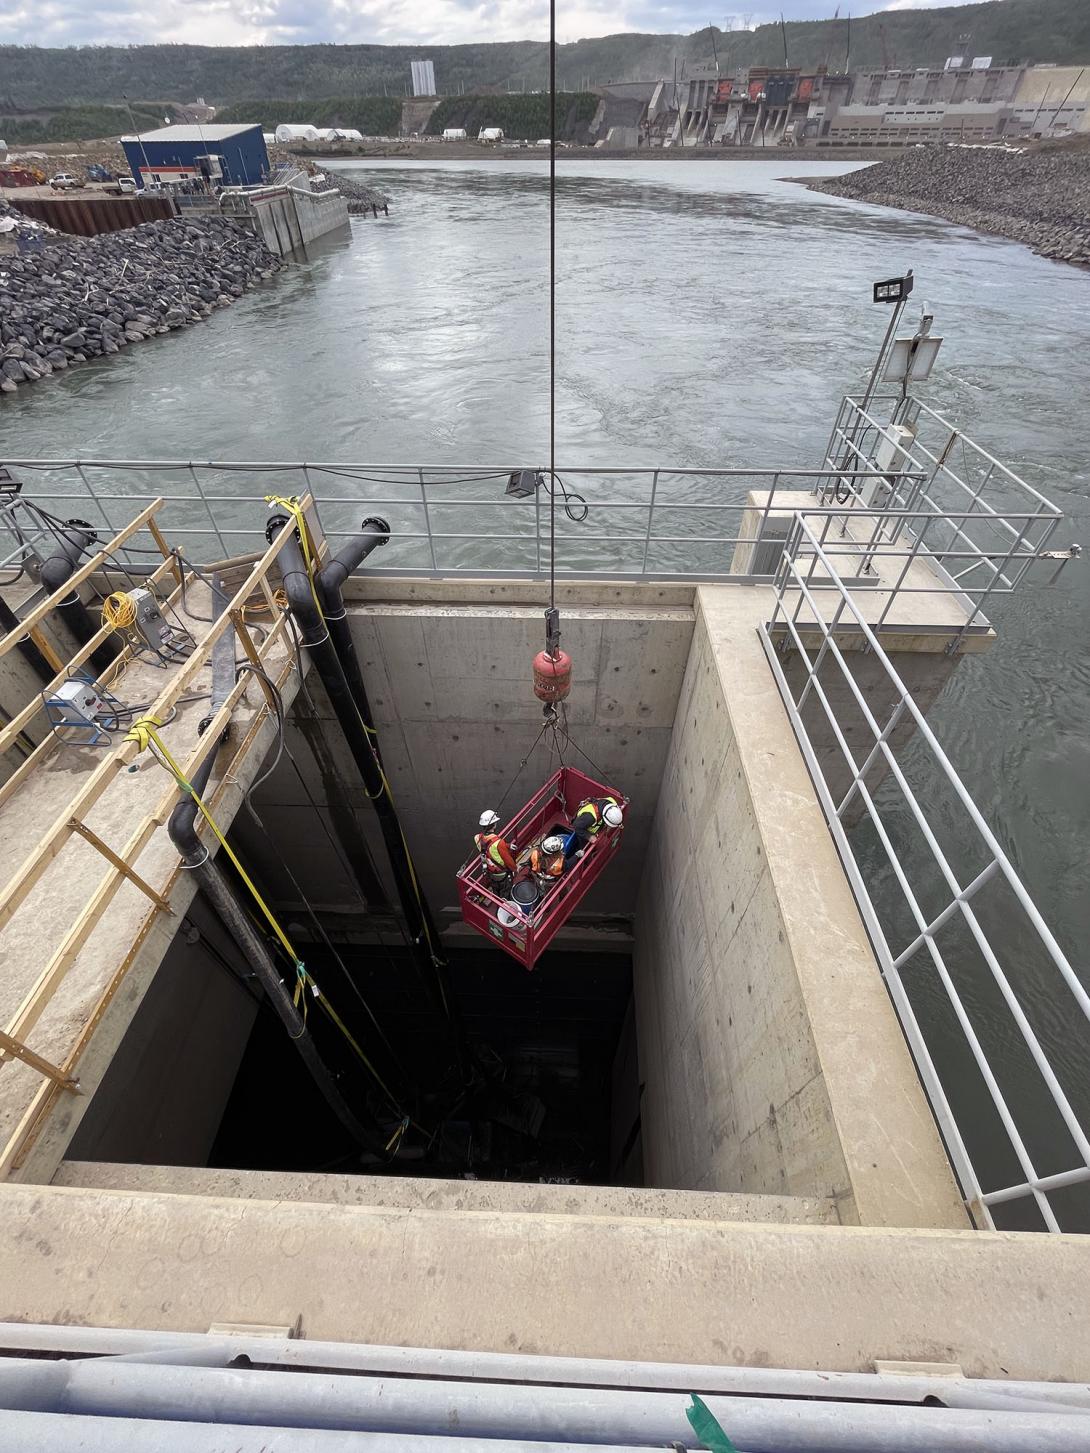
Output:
[[289, 217], [771, 1057], [450, 686]]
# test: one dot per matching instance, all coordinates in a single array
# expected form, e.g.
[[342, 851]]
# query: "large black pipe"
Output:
[[30, 653], [423, 937], [330, 581], [183, 834], [69, 545]]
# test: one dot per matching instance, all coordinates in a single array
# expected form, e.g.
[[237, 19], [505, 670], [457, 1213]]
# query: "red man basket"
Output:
[[525, 936]]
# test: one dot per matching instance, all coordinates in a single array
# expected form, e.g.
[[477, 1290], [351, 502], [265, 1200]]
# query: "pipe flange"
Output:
[[274, 525], [376, 522]]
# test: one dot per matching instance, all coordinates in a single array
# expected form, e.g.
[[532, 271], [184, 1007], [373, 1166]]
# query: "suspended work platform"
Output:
[[525, 935]]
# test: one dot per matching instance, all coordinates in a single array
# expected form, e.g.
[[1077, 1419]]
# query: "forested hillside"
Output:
[[373, 115], [34, 79], [521, 118]]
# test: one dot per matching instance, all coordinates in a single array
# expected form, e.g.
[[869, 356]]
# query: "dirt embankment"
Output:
[[1040, 196]]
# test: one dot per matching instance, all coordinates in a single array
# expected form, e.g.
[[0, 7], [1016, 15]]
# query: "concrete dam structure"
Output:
[[272, 1112]]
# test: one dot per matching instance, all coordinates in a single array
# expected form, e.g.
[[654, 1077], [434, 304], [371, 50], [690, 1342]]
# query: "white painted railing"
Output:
[[967, 957]]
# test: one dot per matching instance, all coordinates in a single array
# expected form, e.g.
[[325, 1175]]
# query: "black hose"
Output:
[[69, 544], [330, 581], [195, 855], [26, 647], [319, 643]]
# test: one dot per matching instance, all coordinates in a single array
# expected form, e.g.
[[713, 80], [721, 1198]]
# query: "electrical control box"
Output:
[[78, 709], [149, 620], [890, 457]]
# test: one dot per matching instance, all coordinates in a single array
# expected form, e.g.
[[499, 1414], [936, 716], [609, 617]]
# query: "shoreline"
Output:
[[1039, 198], [447, 151]]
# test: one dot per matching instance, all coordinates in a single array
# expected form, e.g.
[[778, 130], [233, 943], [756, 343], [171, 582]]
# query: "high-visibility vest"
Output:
[[548, 865], [592, 812], [495, 854]]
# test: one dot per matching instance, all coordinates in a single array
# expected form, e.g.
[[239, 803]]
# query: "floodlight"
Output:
[[893, 289]]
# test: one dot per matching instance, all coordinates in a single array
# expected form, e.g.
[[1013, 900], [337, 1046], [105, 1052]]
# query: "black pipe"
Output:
[[330, 580], [59, 566], [319, 643], [25, 646], [195, 855]]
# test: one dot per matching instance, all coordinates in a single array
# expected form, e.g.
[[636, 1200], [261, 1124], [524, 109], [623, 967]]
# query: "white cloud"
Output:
[[382, 22]]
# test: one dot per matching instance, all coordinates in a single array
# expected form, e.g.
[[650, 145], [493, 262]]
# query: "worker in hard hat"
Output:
[[497, 858], [547, 861], [595, 813]]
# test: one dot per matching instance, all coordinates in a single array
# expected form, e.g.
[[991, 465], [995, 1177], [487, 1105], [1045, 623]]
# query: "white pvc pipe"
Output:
[[426, 1408], [72, 1433], [187, 1348]]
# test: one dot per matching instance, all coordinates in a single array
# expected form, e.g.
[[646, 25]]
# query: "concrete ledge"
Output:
[[828, 1297], [409, 589], [417, 1193], [772, 1057]]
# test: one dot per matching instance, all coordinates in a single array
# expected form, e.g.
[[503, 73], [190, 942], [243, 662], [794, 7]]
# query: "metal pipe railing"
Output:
[[785, 633]]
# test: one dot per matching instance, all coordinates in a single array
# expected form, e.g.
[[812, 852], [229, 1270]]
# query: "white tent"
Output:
[[296, 133]]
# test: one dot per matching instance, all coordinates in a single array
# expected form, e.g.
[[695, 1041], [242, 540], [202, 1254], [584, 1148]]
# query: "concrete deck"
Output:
[[922, 614], [827, 1297]]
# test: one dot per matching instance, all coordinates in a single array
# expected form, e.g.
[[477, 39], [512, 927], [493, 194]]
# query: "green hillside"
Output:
[[76, 123], [521, 118], [373, 115], [33, 78]]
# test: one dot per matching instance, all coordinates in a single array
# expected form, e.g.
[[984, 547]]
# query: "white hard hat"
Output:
[[552, 844], [489, 818], [612, 815]]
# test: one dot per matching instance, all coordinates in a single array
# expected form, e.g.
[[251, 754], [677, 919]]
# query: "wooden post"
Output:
[[45, 1067], [120, 864]]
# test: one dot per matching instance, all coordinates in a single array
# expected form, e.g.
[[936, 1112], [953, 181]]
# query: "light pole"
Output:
[[139, 138]]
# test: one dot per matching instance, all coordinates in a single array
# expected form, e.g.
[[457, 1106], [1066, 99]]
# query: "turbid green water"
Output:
[[708, 314]]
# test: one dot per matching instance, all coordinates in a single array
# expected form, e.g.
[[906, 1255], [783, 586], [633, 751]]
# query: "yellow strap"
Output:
[[295, 509], [145, 733]]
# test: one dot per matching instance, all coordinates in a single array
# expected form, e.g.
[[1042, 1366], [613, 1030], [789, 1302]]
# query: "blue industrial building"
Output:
[[229, 156]]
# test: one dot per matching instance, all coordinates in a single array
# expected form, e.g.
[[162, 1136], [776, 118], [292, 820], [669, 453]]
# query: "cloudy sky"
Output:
[[411, 22]]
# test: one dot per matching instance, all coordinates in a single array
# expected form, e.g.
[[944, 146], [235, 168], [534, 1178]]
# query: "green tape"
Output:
[[705, 1425]]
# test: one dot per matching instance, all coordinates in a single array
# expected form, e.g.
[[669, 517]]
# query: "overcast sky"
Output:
[[389, 22]]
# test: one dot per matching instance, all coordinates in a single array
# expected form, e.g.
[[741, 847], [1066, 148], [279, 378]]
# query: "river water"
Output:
[[707, 314]]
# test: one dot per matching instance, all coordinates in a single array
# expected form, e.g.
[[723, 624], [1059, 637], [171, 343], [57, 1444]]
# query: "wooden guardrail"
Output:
[[71, 822]]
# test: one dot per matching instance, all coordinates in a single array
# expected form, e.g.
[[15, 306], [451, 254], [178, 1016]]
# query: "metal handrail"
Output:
[[647, 533], [924, 477], [802, 631]]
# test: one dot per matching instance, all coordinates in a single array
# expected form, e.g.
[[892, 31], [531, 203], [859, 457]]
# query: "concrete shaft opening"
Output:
[[710, 1022]]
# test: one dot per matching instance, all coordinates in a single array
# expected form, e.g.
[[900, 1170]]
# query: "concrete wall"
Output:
[[162, 1098], [631, 1287], [277, 222], [450, 687], [771, 1058], [319, 212], [290, 217]]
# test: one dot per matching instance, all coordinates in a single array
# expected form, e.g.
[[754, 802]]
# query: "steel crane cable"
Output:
[[552, 304]]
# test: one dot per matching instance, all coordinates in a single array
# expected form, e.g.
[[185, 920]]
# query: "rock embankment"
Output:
[[1040, 197], [79, 298], [361, 200]]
